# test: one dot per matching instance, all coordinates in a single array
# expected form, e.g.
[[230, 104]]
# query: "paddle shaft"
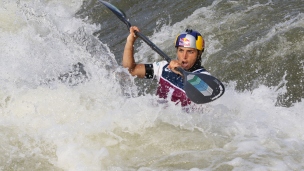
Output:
[[153, 46], [121, 15]]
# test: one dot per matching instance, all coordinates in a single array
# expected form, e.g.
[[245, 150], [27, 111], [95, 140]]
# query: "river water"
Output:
[[67, 104]]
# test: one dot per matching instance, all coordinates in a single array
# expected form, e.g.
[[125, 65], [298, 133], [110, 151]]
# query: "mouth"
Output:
[[184, 64]]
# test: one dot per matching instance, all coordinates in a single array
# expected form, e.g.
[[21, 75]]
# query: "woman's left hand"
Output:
[[173, 65]]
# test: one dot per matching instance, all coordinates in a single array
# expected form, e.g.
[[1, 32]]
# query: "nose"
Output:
[[184, 54]]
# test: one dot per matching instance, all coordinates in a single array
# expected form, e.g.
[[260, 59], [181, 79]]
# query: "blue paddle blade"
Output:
[[202, 88], [119, 13]]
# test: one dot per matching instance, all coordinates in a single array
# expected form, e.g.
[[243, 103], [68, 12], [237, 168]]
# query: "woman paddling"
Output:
[[189, 46]]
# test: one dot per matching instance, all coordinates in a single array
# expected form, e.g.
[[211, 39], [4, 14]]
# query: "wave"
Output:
[[67, 104]]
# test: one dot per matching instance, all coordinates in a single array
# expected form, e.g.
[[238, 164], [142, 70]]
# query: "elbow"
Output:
[[130, 68]]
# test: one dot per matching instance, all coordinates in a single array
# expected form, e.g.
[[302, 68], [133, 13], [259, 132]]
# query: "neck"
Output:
[[197, 65]]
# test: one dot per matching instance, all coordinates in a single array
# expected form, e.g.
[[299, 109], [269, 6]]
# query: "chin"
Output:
[[186, 69]]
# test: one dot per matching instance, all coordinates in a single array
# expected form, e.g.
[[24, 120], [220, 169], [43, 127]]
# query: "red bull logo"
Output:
[[184, 42]]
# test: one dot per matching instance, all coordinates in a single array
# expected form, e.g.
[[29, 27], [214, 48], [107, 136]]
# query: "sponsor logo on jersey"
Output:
[[167, 69]]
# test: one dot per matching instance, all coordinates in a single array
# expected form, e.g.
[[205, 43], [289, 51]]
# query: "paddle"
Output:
[[200, 88]]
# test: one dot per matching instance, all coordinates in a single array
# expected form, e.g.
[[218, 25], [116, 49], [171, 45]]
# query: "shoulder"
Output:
[[202, 70], [158, 68], [160, 64]]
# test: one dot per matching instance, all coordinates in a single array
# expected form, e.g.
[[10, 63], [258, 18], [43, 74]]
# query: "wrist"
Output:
[[131, 38]]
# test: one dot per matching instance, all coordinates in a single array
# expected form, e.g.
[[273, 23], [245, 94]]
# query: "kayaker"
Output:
[[189, 48]]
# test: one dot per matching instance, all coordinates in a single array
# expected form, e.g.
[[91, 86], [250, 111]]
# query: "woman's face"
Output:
[[187, 57]]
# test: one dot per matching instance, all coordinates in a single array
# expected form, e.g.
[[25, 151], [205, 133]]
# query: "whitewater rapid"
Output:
[[56, 114]]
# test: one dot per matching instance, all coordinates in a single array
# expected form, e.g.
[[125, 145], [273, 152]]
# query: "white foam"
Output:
[[92, 126]]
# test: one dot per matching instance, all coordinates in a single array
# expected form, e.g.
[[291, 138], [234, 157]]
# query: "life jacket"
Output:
[[171, 84]]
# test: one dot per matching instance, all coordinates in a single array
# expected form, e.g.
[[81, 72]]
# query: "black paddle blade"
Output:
[[202, 88], [119, 13]]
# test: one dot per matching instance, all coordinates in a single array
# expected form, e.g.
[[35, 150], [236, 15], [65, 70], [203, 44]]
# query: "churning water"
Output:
[[67, 104]]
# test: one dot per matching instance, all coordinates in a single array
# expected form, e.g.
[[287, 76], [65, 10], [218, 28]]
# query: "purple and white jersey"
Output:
[[171, 84]]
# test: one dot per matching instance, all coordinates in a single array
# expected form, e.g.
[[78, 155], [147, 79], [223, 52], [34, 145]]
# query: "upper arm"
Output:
[[138, 70]]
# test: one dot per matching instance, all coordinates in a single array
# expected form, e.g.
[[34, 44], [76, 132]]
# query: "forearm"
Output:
[[128, 56]]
